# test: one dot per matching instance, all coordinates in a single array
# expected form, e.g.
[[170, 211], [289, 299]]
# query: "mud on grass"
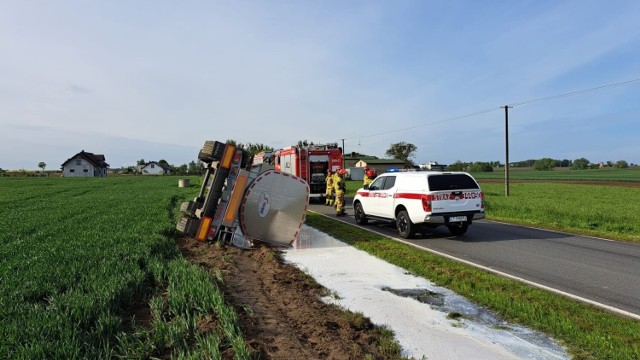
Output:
[[280, 309]]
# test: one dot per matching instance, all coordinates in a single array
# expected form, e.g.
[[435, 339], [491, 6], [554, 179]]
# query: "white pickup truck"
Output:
[[421, 198]]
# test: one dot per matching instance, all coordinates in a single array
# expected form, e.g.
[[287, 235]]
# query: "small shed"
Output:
[[350, 160], [381, 165]]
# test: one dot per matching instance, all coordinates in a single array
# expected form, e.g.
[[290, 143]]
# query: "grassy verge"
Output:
[[587, 332]]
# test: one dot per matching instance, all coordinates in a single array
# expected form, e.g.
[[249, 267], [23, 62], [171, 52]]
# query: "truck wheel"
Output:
[[405, 227], [458, 228], [361, 217]]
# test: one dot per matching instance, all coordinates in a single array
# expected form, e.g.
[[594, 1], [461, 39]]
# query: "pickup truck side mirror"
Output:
[[366, 187]]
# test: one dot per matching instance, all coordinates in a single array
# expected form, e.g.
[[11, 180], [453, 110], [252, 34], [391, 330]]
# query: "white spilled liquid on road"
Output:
[[388, 296]]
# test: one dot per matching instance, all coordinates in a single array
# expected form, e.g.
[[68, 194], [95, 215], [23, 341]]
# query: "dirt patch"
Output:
[[281, 314]]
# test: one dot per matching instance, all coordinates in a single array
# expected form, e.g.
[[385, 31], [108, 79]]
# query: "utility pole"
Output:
[[506, 150]]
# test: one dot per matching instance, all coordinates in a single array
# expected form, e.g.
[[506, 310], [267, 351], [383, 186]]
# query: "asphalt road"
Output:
[[599, 271]]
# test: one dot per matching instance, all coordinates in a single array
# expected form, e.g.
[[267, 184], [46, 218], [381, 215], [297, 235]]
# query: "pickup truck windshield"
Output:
[[451, 182]]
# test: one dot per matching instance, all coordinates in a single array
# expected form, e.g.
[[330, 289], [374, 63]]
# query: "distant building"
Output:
[[381, 165], [85, 164], [433, 165], [155, 168], [350, 160]]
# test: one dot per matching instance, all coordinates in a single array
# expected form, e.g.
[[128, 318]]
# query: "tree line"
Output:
[[196, 167], [405, 151], [544, 164]]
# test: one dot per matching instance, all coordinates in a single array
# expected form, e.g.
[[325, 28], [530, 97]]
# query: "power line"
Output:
[[578, 92], [423, 125], [546, 98]]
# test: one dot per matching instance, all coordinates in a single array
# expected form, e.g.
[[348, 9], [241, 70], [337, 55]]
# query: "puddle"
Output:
[[425, 296]]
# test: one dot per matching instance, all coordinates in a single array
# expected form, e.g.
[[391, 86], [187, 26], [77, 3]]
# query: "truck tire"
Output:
[[406, 228], [458, 228], [361, 217]]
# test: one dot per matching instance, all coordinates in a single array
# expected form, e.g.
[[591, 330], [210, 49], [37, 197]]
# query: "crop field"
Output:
[[77, 254], [604, 211], [609, 174]]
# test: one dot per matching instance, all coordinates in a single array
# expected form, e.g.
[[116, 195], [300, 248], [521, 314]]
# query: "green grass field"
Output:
[[606, 174], [76, 253], [604, 211]]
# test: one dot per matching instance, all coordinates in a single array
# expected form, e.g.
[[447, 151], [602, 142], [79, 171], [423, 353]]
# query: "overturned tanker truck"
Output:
[[243, 203]]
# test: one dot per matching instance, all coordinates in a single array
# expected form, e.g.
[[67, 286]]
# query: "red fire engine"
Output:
[[310, 163]]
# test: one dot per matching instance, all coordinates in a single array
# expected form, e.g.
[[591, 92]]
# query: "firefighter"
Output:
[[372, 173], [366, 180], [340, 187], [329, 193]]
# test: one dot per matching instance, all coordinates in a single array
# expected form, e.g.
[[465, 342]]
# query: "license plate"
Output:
[[457, 218]]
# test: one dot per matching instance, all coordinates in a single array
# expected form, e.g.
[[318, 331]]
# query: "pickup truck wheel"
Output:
[[405, 227], [361, 217], [458, 228]]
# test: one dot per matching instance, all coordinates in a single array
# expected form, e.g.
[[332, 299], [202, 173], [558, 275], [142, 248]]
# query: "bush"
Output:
[[621, 164], [544, 164], [480, 167], [457, 166]]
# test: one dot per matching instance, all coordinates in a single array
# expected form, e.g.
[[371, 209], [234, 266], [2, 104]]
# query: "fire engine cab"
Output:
[[310, 163]]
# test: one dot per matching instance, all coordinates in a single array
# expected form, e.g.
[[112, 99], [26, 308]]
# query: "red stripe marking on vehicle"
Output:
[[413, 196]]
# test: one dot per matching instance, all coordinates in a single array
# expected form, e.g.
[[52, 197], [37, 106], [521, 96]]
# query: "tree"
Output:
[[481, 167], [42, 165], [181, 170], [457, 166], [304, 143], [140, 162], [621, 164], [402, 151], [580, 164], [544, 164], [192, 168], [256, 148]]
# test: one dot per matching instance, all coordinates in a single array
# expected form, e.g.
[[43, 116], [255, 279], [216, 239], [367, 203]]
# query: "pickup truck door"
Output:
[[381, 197]]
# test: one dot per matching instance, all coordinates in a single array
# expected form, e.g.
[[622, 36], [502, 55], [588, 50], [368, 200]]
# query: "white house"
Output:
[[85, 164], [155, 168]]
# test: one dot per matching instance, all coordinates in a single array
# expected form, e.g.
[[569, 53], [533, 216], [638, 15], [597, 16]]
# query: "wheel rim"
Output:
[[402, 224]]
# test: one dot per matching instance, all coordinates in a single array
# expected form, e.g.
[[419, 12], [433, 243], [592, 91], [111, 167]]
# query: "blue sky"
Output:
[[154, 79]]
